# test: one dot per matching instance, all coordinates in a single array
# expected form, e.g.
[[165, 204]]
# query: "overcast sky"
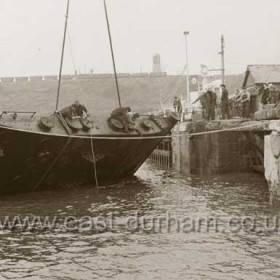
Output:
[[31, 35]]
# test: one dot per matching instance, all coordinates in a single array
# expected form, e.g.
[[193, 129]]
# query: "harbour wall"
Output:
[[213, 153], [232, 146], [143, 92]]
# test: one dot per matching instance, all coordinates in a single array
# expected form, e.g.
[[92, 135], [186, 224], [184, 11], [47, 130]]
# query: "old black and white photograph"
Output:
[[140, 139]]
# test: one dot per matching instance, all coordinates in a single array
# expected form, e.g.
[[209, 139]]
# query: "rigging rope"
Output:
[[83, 93], [175, 87], [71, 51]]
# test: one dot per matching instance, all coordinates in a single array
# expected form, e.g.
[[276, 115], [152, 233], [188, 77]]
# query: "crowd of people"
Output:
[[241, 104]]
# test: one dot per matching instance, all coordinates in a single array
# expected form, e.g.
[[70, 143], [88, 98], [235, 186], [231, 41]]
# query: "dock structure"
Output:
[[236, 145], [162, 155], [227, 146]]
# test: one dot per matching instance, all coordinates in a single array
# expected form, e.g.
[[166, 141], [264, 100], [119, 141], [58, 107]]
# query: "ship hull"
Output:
[[31, 161]]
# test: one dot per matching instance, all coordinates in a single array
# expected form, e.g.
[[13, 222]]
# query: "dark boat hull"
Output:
[[30, 160]]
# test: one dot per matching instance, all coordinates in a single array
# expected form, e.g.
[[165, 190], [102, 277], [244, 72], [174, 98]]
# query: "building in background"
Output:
[[157, 68], [257, 75]]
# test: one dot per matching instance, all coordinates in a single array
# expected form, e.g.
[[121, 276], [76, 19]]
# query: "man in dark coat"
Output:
[[210, 100], [202, 99], [79, 109], [73, 111], [121, 114], [177, 105], [265, 94], [225, 103], [245, 101]]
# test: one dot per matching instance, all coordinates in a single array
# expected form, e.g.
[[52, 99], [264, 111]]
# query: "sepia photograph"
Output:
[[140, 139]]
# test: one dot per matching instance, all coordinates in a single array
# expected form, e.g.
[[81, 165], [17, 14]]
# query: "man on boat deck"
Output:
[[122, 114], [73, 111], [79, 109]]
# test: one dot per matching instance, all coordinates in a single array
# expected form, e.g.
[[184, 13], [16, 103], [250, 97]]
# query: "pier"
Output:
[[245, 143], [229, 146]]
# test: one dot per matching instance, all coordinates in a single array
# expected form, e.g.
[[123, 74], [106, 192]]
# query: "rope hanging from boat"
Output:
[[46, 173], [112, 53], [94, 162], [62, 55]]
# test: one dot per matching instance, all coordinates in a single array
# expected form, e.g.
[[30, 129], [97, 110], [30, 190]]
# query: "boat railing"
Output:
[[15, 113]]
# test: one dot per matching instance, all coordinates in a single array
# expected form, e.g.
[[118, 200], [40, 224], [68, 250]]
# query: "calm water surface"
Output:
[[147, 252]]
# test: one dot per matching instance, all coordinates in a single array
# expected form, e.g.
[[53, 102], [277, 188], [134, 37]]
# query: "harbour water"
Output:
[[126, 238]]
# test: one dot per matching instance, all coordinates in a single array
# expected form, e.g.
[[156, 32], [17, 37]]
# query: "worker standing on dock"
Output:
[[177, 105], [211, 103], [265, 93], [202, 99], [273, 96], [245, 100], [225, 103]]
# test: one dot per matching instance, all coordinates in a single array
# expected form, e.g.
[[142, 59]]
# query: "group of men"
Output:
[[209, 104], [242, 97], [208, 101]]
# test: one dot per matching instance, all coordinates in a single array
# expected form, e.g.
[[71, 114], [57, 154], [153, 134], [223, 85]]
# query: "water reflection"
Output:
[[122, 254]]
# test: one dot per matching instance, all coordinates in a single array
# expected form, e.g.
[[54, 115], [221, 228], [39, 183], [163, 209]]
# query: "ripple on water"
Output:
[[122, 254]]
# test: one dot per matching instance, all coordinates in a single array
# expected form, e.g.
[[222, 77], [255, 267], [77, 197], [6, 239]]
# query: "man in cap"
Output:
[[245, 98], [224, 103], [272, 95], [177, 105], [122, 114], [202, 99], [265, 93], [76, 110], [210, 101], [79, 109]]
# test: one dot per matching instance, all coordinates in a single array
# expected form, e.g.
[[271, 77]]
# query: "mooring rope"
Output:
[[94, 162], [142, 137], [178, 135]]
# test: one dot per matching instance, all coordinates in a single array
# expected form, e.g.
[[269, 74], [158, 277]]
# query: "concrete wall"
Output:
[[272, 163], [214, 153]]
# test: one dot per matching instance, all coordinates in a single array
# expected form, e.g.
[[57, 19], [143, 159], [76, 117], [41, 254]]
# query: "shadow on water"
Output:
[[48, 202]]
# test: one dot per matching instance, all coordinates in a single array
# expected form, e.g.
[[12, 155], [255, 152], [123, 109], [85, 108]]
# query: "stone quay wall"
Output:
[[212, 153]]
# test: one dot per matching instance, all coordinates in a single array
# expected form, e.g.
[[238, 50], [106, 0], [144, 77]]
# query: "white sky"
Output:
[[31, 34]]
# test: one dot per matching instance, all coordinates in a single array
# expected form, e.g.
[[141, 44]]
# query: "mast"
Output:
[[223, 58], [112, 53], [186, 33], [62, 55]]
